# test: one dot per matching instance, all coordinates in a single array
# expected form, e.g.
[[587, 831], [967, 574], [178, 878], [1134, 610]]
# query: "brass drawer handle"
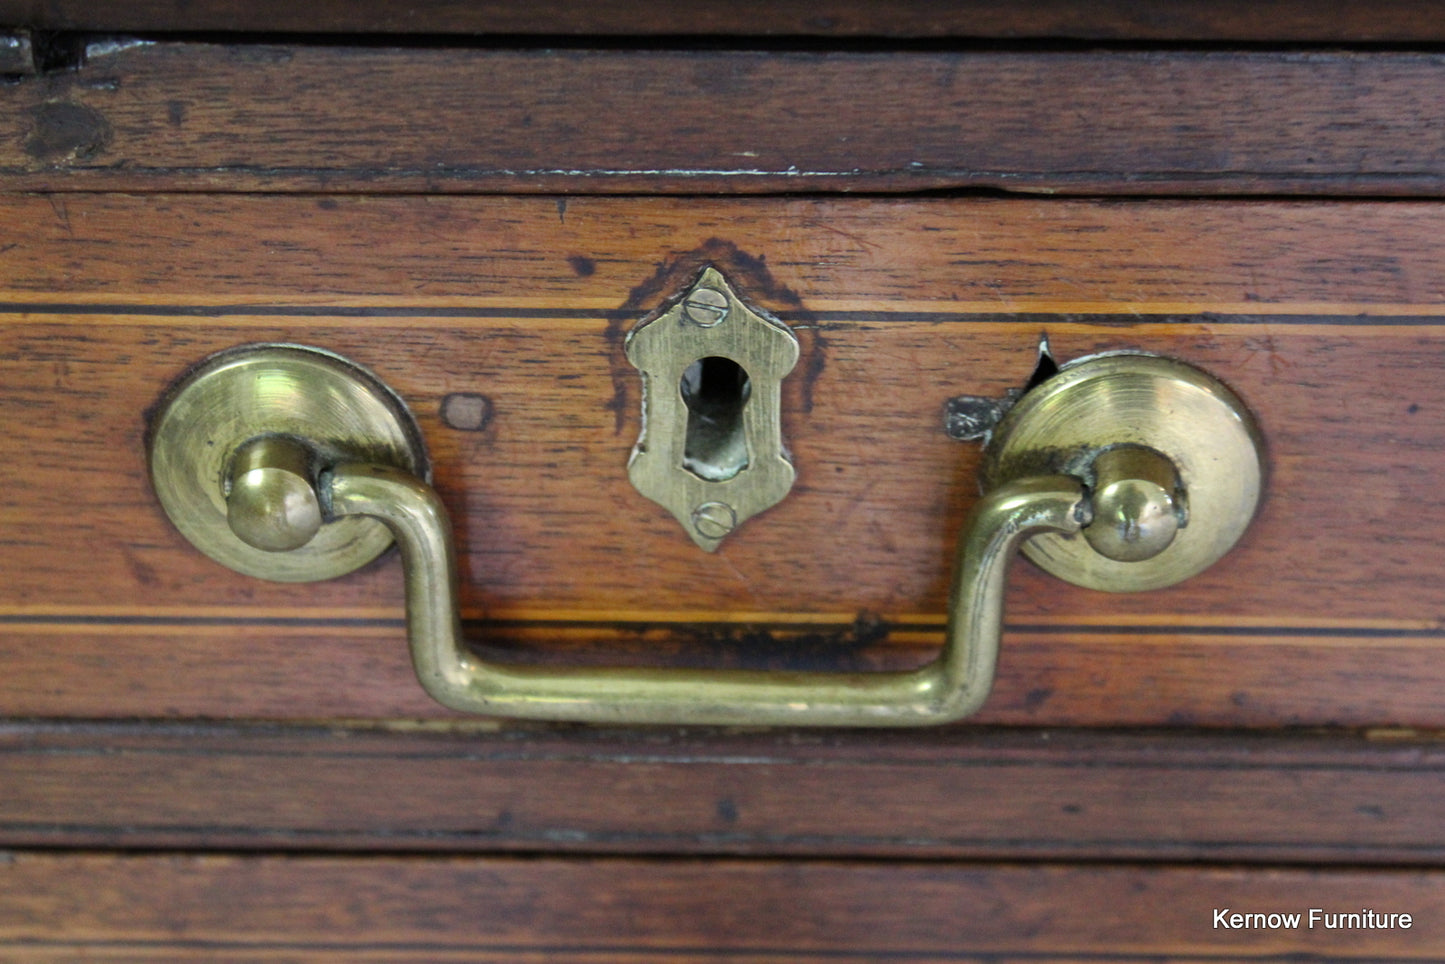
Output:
[[278, 461]]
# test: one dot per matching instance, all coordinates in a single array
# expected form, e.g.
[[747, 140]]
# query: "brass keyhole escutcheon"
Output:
[[711, 450]]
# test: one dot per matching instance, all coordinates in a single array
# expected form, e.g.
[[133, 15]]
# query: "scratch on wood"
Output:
[[62, 213]]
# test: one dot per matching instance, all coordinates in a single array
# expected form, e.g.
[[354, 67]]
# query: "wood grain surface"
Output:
[[976, 794], [1325, 318], [316, 195], [1248, 20], [117, 908], [142, 115]]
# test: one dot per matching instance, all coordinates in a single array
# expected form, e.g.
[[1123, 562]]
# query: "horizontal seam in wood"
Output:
[[727, 839], [1002, 312], [1017, 759], [22, 620]]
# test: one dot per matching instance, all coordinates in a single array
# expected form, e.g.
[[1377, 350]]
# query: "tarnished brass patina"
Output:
[[711, 450], [198, 448], [271, 502], [1188, 447], [1130, 472], [1138, 504], [952, 686]]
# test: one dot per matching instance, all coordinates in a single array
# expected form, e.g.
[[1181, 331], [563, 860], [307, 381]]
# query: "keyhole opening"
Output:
[[715, 390]]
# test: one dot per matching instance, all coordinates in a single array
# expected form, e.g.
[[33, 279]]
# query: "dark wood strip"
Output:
[[978, 794], [1250, 20], [1089, 314], [274, 909], [288, 117], [482, 628]]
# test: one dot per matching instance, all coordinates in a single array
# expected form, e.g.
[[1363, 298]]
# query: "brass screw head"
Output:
[[713, 520], [705, 307]]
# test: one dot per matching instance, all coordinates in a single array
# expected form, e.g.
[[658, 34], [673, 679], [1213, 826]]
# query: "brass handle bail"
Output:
[[1142, 499]]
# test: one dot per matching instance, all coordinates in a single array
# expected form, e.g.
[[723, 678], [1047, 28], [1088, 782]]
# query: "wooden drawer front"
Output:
[[375, 909], [141, 115], [1325, 318], [966, 793]]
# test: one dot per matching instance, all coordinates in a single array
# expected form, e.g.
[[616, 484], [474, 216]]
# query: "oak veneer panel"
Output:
[[274, 909], [959, 793], [1326, 318], [1248, 20], [290, 117]]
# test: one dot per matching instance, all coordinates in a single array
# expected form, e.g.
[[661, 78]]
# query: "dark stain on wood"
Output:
[[63, 131], [853, 647], [754, 282], [747, 273], [1037, 697], [845, 649]]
